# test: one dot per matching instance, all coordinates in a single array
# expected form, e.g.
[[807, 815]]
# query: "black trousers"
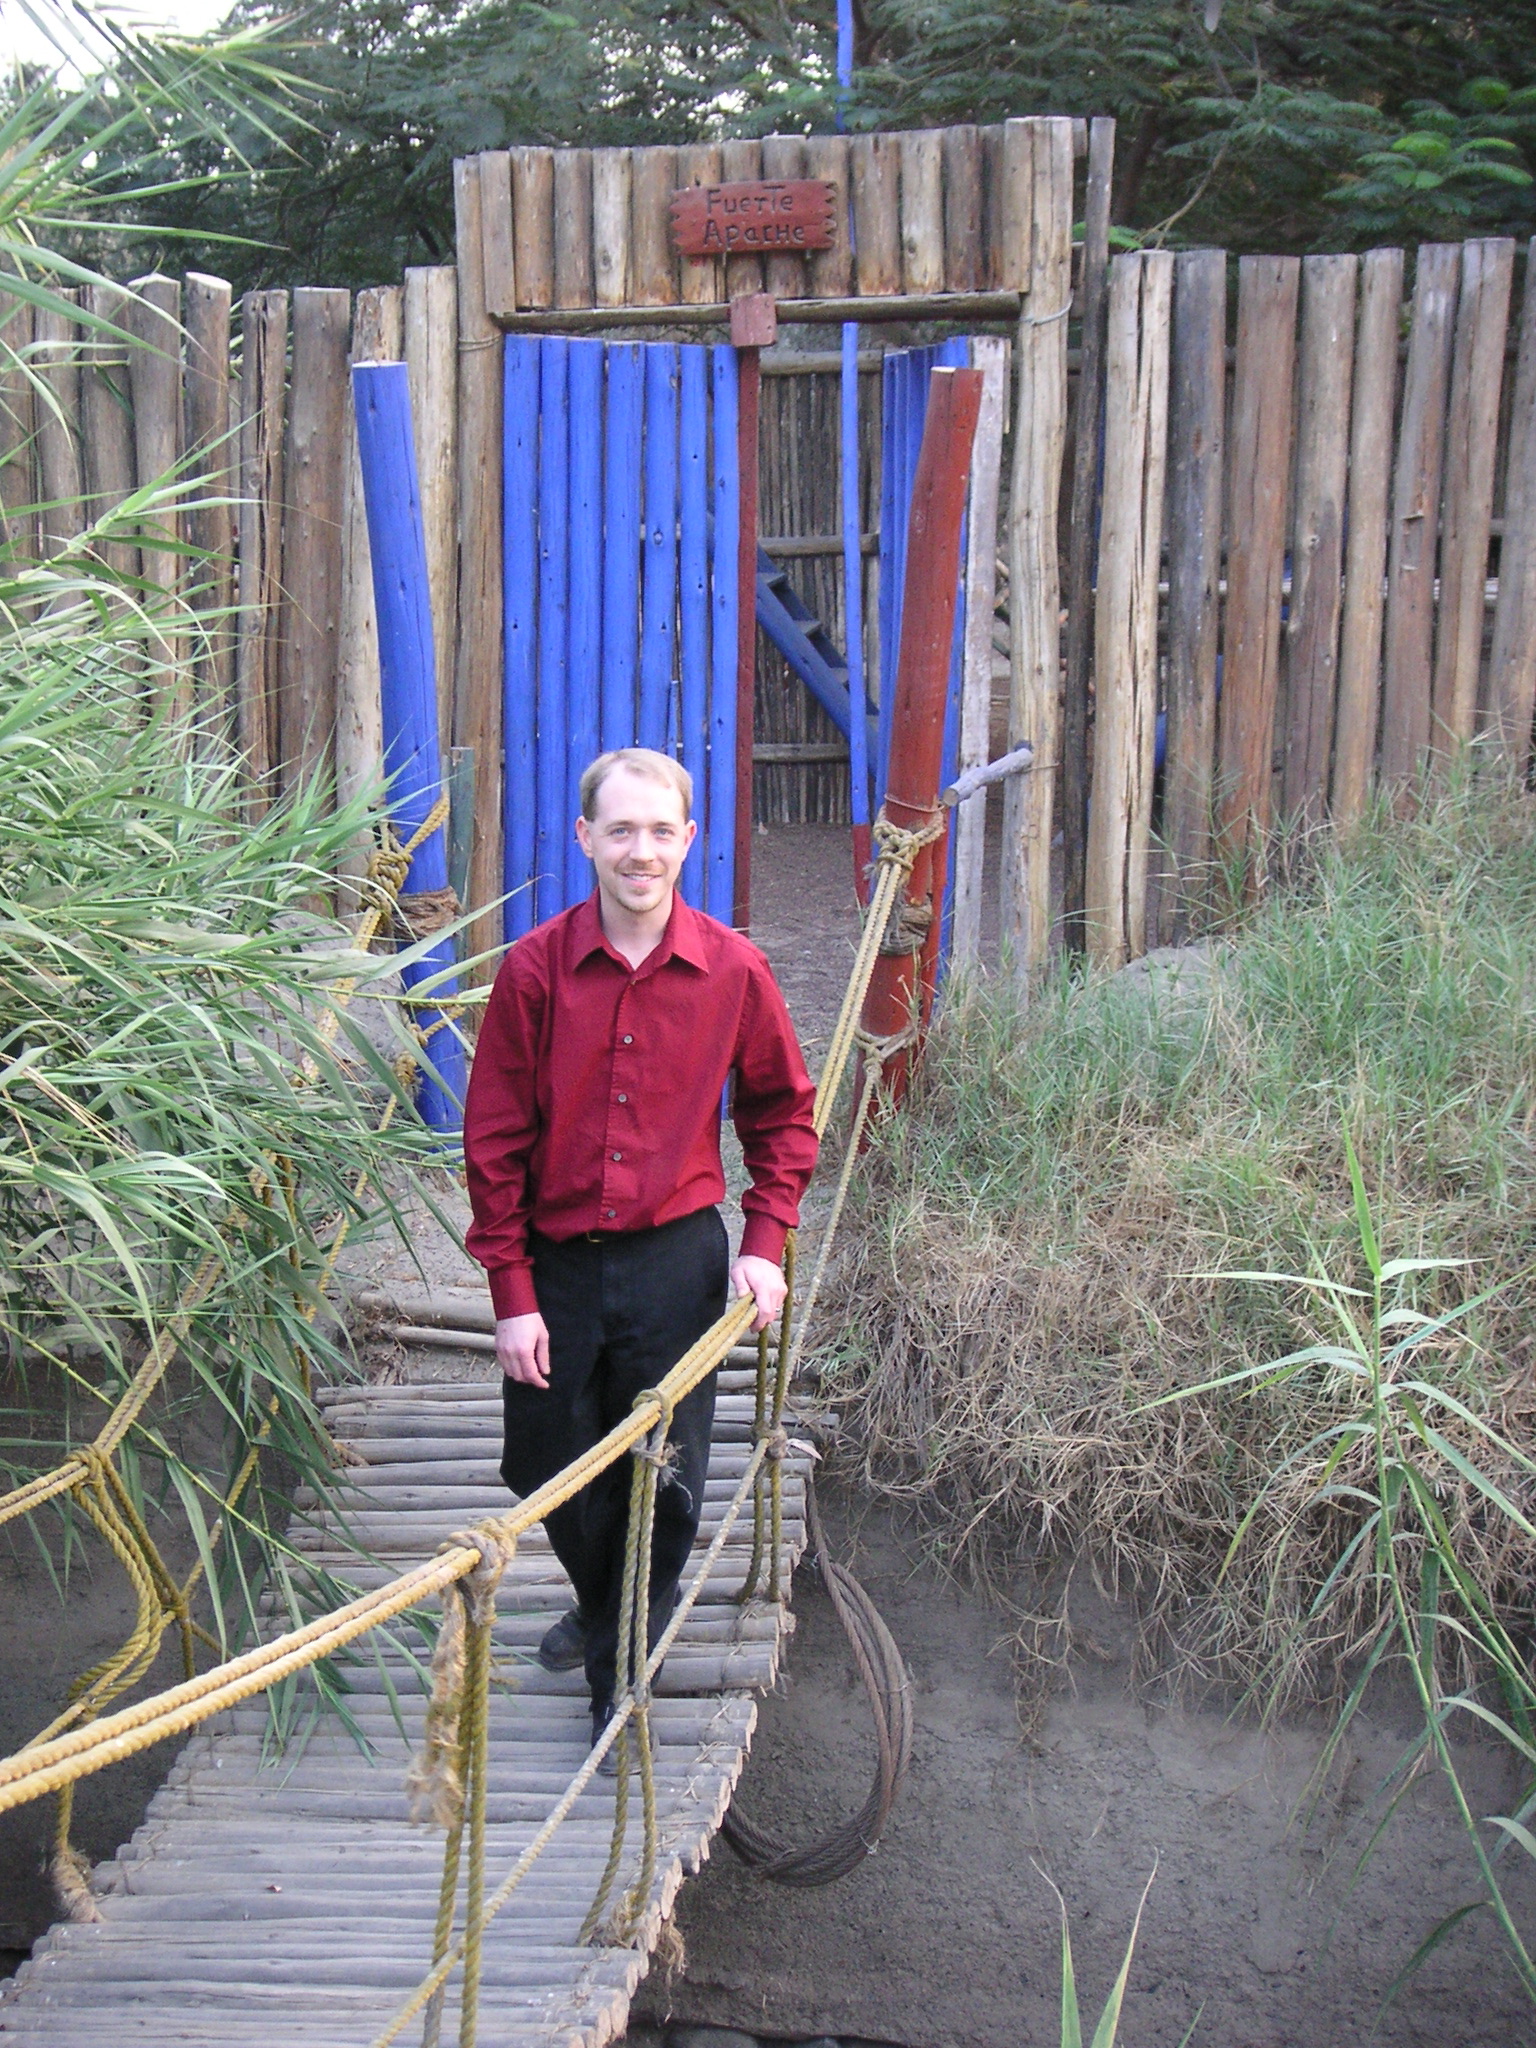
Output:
[[621, 1310]]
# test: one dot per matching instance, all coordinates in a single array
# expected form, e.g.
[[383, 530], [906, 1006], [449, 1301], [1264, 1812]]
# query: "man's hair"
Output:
[[639, 761]]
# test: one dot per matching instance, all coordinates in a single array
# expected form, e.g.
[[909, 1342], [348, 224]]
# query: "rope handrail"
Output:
[[453, 1769]]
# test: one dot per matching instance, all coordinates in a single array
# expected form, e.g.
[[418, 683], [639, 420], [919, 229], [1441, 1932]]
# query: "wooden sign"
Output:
[[757, 216]]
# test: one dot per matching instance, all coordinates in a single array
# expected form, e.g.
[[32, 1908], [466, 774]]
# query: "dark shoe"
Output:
[[564, 1647]]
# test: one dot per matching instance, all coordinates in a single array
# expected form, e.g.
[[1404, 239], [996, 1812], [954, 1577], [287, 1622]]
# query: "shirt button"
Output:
[[629, 1038], [623, 1098], [618, 1155], [611, 1214]]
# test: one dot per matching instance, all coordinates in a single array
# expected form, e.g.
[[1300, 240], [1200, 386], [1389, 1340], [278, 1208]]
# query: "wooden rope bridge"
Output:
[[286, 1895]]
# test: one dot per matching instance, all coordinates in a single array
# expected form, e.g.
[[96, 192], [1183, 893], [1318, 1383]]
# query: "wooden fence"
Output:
[[1262, 547], [1315, 557]]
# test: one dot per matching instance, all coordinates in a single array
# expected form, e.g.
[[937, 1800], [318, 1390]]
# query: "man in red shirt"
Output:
[[592, 1145]]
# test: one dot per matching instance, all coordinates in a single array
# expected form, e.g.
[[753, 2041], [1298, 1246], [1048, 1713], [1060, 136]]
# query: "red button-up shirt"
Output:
[[594, 1100]]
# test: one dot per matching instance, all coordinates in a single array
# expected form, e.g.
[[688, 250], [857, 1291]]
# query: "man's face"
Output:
[[637, 840]]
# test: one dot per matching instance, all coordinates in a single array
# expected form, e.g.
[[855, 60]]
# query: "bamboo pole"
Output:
[[1471, 447], [1125, 663], [1258, 481], [477, 713], [1512, 666], [1370, 471], [1034, 600], [1325, 376], [1082, 529]]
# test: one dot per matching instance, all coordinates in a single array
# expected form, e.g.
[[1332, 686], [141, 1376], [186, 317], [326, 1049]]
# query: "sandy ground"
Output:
[[948, 1937]]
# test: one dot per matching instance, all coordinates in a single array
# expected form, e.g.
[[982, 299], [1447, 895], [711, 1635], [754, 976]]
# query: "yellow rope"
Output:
[[482, 1553]]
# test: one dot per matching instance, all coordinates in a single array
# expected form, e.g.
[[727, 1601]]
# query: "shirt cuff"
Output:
[[762, 1238], [512, 1291]]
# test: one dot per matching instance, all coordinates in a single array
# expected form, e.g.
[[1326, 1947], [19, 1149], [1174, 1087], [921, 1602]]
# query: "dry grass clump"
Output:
[[1035, 1256]]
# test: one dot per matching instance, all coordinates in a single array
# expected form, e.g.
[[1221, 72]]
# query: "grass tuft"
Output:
[[1055, 1239]]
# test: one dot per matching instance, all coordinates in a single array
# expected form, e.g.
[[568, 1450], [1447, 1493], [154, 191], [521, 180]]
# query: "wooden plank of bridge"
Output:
[[290, 1896]]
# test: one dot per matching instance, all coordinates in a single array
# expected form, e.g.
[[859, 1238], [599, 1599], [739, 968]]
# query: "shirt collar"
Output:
[[683, 938]]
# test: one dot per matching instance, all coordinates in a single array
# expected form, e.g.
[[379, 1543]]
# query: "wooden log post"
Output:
[[1034, 600], [106, 418], [1082, 528], [922, 210], [210, 511], [1325, 377], [60, 474], [831, 270], [1365, 560], [965, 236], [611, 178], [897, 1002], [533, 225], [1471, 446], [990, 357], [1259, 472], [876, 170], [744, 275], [1197, 424], [1512, 665], [432, 358], [498, 250], [18, 497], [154, 376], [378, 336], [314, 471], [263, 411], [477, 710], [1415, 529], [703, 277], [784, 157], [652, 262], [574, 282], [1125, 619]]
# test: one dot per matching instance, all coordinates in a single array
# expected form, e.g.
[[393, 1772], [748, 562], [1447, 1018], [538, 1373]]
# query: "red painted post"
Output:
[[903, 982], [754, 325]]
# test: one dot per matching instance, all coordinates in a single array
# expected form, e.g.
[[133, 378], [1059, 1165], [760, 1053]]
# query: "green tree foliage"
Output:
[[1269, 124]]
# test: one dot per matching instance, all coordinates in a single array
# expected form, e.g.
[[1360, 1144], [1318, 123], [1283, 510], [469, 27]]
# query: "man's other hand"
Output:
[[764, 1281], [522, 1347]]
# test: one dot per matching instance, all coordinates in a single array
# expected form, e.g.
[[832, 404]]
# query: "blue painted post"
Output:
[[520, 589], [853, 599], [584, 671], [625, 453], [693, 555], [720, 889], [554, 823], [408, 692], [954, 354], [658, 601]]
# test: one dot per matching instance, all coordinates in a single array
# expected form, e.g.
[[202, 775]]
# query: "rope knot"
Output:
[[775, 1441], [479, 1586]]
